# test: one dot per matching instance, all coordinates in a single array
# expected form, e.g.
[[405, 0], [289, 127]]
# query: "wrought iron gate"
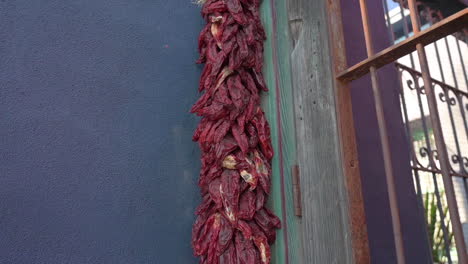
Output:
[[450, 85], [434, 101]]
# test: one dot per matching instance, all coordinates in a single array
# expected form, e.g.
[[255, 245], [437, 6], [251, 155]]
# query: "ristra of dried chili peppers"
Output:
[[233, 225]]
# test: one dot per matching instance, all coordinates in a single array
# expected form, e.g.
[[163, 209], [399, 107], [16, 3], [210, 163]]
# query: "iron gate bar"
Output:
[[411, 146], [414, 74], [461, 173], [457, 86], [462, 62], [405, 29], [445, 27], [393, 200], [431, 164], [446, 93], [440, 144], [451, 63], [347, 136], [387, 20]]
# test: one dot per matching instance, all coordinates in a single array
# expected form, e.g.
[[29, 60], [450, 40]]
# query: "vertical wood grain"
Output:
[[279, 109]]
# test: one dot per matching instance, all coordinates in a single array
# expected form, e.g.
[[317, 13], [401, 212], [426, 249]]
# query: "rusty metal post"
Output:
[[347, 135], [439, 138], [392, 194]]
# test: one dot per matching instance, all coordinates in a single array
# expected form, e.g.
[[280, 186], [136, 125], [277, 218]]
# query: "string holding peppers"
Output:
[[233, 225]]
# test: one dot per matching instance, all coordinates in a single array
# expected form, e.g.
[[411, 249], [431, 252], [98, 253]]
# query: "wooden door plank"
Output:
[[326, 232], [284, 122], [278, 106]]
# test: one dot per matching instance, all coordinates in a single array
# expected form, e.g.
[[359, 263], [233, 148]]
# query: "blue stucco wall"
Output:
[[96, 159]]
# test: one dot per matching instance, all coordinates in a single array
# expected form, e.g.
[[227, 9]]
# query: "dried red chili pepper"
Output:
[[247, 205], [233, 225], [230, 189], [245, 229], [225, 236], [229, 256], [235, 8], [215, 192], [261, 242], [246, 252]]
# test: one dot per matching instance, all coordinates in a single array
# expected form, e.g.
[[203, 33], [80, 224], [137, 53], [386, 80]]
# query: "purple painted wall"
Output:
[[370, 154]]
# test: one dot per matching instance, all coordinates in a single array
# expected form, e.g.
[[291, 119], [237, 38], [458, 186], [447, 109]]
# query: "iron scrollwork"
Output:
[[449, 96]]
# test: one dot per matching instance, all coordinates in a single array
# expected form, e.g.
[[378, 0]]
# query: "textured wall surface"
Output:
[[96, 159]]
